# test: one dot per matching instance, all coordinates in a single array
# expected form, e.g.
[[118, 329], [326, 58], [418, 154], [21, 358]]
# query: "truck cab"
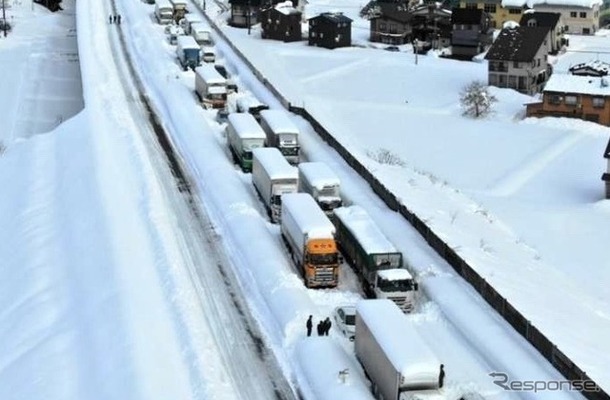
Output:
[[397, 285]]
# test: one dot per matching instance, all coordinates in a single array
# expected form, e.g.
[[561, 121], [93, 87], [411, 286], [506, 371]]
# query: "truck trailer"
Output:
[[272, 177], [281, 133], [317, 179], [374, 259], [187, 22], [188, 52], [309, 235], [244, 134], [247, 103], [394, 356], [179, 9], [210, 86]]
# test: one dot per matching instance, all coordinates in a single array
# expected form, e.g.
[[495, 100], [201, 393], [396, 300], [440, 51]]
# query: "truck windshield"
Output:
[[323, 259], [247, 155], [328, 192], [401, 285], [290, 151]]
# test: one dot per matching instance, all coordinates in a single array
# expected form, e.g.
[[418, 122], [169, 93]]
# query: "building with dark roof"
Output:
[[245, 13], [546, 19], [330, 30], [591, 68], [518, 59], [390, 23], [281, 22], [431, 23], [471, 32]]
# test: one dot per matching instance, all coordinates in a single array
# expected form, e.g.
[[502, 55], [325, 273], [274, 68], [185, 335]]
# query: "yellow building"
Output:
[[511, 11]]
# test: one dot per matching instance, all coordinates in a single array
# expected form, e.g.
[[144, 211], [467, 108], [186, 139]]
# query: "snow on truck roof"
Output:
[[274, 163], [209, 74], [401, 343], [360, 224], [319, 175], [246, 127], [279, 122], [163, 4], [179, 2], [187, 42], [394, 274], [307, 214]]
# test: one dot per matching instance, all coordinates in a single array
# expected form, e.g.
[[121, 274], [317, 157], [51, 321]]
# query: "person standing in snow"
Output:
[[110, 19], [441, 376], [320, 328], [118, 19], [114, 19], [327, 325], [309, 326]]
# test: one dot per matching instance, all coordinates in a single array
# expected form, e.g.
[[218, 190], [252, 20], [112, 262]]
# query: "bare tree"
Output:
[[476, 100]]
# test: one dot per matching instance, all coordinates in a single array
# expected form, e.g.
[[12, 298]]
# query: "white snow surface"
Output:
[[567, 3], [567, 83], [246, 126], [279, 122]]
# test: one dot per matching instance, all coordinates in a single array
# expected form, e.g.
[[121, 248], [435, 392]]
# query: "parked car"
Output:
[[345, 321]]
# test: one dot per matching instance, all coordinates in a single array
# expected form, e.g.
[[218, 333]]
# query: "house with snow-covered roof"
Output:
[[591, 68], [330, 30], [518, 59], [390, 23], [499, 11], [551, 20], [572, 96], [281, 22], [578, 16]]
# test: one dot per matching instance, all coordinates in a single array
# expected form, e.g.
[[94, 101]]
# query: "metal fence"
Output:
[[510, 314]]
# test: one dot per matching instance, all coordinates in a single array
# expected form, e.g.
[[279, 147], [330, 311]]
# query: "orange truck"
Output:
[[310, 237]]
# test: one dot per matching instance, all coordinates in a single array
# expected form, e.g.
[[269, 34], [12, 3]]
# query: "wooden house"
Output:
[[390, 23], [330, 30], [572, 96], [517, 59], [281, 22]]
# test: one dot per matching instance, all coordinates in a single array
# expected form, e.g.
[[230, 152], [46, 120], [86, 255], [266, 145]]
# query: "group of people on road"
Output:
[[323, 327], [114, 19]]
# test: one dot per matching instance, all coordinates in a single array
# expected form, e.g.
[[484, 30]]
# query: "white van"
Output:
[[201, 33], [209, 55]]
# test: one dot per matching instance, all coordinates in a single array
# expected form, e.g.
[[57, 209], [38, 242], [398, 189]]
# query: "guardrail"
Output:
[[522, 325]]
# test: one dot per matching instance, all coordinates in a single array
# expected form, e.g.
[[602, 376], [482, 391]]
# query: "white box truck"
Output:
[[188, 52], [210, 86], [376, 261], [164, 11], [272, 177], [244, 135], [188, 21], [201, 33], [281, 133], [317, 179], [310, 238], [393, 354]]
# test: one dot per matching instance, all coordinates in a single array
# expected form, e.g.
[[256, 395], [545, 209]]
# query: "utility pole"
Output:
[[415, 50], [4, 17], [248, 16]]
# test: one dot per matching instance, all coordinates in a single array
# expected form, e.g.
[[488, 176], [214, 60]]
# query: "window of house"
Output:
[[502, 80], [515, 64], [512, 81], [586, 31], [338, 38], [490, 8], [382, 26], [583, 14], [392, 28], [566, 28], [312, 34], [514, 11], [472, 6], [522, 83], [573, 14], [537, 62], [571, 100], [321, 35], [555, 99], [493, 79], [598, 102]]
